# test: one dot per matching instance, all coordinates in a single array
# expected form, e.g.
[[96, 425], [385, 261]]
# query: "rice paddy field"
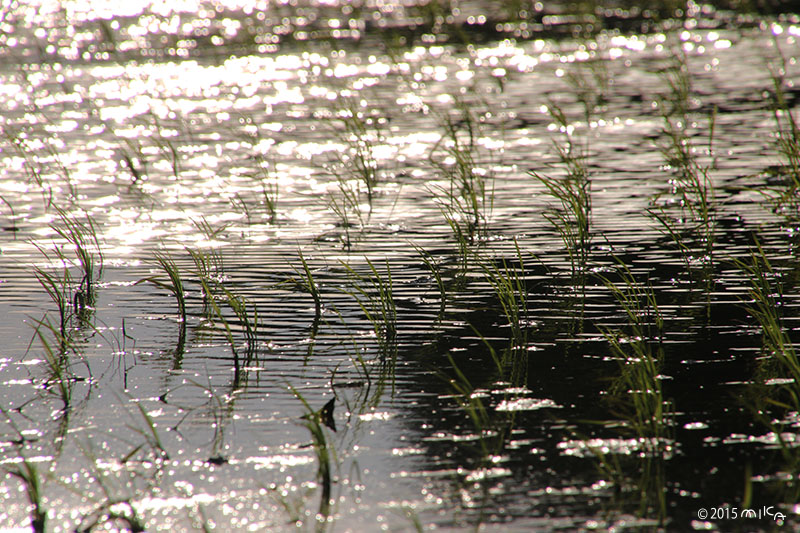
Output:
[[334, 266]]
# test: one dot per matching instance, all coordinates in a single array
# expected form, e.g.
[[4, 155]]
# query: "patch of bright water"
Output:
[[249, 131]]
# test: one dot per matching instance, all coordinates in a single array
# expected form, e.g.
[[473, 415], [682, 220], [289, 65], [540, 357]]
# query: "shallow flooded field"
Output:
[[398, 266]]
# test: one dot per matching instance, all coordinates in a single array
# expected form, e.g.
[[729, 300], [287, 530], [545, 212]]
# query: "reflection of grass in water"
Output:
[[29, 475], [111, 507], [326, 456], [640, 355], [492, 429], [435, 271]]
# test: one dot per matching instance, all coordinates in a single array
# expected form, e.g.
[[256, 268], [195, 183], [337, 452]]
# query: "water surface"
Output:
[[256, 133]]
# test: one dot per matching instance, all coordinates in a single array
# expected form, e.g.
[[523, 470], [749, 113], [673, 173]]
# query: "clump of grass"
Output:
[[360, 131], [637, 395], [468, 198], [270, 191], [508, 282], [787, 198], [693, 229], [74, 299], [572, 214], [639, 352], [356, 167], [306, 283], [765, 305], [309, 285], [215, 291], [264, 173], [590, 82], [174, 284], [40, 167], [373, 293], [346, 205], [572, 217]]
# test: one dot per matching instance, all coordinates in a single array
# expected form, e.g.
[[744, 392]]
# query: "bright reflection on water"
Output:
[[247, 132]]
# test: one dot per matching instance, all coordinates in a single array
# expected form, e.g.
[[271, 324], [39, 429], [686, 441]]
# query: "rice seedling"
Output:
[[12, 225], [785, 199], [693, 229], [360, 131], [42, 159], [33, 170], [264, 171], [82, 236], [765, 292], [150, 435], [73, 299], [306, 283], [640, 356], [213, 291], [435, 271], [346, 205], [469, 196], [774, 405], [373, 293], [59, 289], [590, 83], [572, 218], [509, 286], [174, 285], [572, 214], [211, 234]]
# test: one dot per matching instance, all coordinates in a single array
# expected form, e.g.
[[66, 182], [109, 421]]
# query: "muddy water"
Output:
[[174, 129]]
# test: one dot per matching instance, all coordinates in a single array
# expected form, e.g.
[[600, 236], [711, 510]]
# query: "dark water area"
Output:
[[455, 266]]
